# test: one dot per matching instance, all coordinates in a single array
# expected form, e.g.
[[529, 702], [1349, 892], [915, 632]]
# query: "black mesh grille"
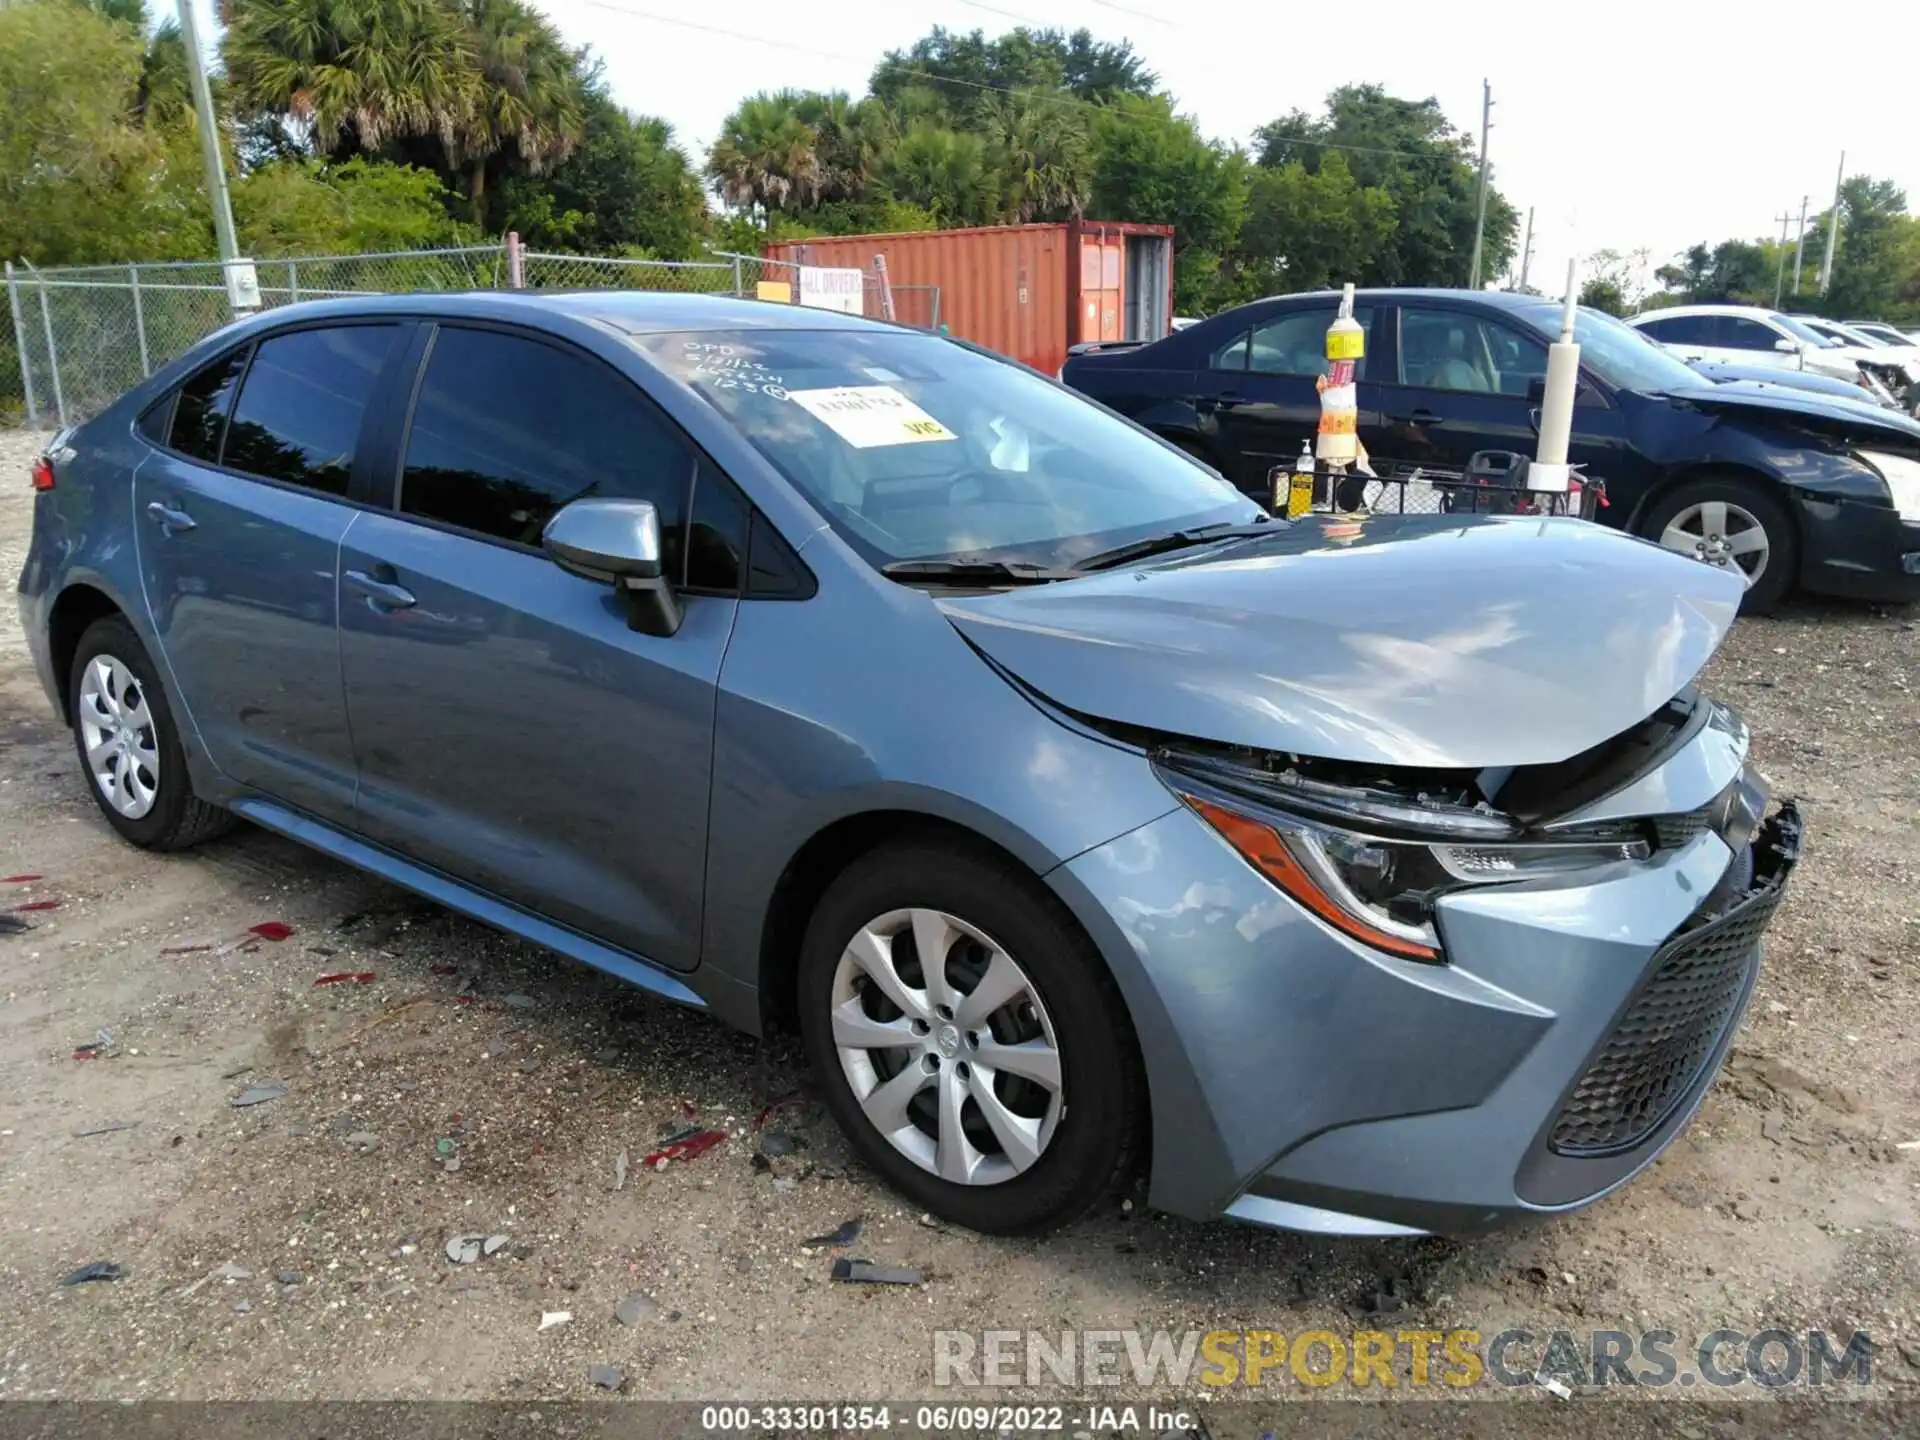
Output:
[[1671, 832], [1669, 1031]]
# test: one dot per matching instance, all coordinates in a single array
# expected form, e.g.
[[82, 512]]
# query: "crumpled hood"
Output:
[[1447, 642], [1860, 420]]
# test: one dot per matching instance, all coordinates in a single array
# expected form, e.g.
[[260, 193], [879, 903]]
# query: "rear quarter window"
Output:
[[201, 405]]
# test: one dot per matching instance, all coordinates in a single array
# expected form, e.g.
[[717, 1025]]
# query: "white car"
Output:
[[1744, 335], [1896, 363], [1880, 330]]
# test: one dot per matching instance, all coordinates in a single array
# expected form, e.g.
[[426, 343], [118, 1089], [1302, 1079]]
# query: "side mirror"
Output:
[[617, 542], [1788, 347]]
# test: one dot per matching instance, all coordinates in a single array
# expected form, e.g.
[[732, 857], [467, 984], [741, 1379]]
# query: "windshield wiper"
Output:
[[977, 572], [1174, 540]]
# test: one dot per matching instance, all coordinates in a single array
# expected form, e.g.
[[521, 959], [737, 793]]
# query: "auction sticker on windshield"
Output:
[[866, 416]]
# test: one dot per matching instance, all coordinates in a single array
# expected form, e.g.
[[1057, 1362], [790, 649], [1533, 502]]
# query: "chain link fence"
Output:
[[82, 335]]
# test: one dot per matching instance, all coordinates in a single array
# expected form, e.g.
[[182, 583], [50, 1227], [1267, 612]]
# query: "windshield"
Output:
[[1619, 354], [917, 448], [1801, 331]]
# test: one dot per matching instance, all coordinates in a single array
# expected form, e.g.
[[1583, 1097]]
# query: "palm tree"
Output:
[[767, 156], [355, 74], [529, 98], [945, 172], [1044, 149]]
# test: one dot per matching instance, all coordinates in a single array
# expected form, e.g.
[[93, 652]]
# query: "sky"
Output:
[[1634, 124]]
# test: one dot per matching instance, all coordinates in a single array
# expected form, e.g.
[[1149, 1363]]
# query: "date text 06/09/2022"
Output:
[[855, 1418]]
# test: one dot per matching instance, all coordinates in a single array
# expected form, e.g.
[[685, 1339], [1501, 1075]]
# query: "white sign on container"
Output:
[[831, 288]]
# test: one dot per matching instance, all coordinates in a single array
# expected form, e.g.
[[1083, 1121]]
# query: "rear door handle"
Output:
[[381, 594], [1422, 416], [168, 518]]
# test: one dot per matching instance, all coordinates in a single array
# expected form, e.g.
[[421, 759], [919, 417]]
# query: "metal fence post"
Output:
[[516, 264], [293, 283], [20, 339], [737, 291], [139, 321], [53, 355]]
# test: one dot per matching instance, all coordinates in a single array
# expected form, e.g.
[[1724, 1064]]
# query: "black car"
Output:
[[1787, 487]]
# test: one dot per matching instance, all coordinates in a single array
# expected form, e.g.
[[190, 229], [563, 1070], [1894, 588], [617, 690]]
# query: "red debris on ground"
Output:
[[766, 1111], [18, 879], [444, 969], [38, 905], [271, 930], [88, 1052], [359, 977], [687, 1149]]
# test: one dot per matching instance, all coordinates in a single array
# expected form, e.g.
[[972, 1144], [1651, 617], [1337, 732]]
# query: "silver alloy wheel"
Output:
[[1719, 532], [953, 1019], [116, 730]]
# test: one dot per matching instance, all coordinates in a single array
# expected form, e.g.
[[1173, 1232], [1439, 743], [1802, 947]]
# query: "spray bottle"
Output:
[[1338, 443]]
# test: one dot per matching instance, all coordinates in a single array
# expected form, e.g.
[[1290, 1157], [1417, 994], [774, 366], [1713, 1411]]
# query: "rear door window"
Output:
[[1739, 333], [507, 430], [1454, 350], [200, 412], [1682, 330], [1296, 343], [300, 408]]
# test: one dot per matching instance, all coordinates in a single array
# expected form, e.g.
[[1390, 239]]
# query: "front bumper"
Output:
[[1857, 551], [1302, 1080]]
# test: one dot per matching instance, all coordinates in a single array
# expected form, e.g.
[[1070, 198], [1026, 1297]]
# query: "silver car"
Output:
[[1372, 879]]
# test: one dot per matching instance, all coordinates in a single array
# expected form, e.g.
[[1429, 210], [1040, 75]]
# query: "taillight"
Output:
[[42, 473]]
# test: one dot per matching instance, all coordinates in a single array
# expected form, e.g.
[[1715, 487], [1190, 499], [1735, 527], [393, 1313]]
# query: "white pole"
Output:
[[1833, 225], [1480, 204], [1549, 470], [210, 150]]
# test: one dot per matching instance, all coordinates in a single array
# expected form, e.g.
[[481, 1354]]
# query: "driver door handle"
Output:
[[381, 594], [168, 518]]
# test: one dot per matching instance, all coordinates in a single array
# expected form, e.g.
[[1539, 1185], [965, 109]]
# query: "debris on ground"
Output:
[[13, 925], [186, 949], [36, 905], [620, 1171], [607, 1377], [259, 1093], [518, 1002], [865, 1272], [551, 1318], [685, 1148], [785, 1185], [465, 1249], [108, 1129], [287, 1277], [275, 930], [362, 1139], [493, 1243], [18, 879], [1555, 1387], [637, 1307], [95, 1270], [357, 977], [243, 1307], [776, 1144], [443, 969], [848, 1232], [1772, 1127], [233, 1271]]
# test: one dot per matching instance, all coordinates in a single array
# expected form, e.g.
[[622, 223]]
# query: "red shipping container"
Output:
[[1028, 291]]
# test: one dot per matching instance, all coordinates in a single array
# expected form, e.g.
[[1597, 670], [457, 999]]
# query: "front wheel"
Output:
[[1734, 524], [969, 1040]]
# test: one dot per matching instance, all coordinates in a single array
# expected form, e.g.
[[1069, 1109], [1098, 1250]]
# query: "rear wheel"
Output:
[[128, 745], [1733, 524], [969, 1040]]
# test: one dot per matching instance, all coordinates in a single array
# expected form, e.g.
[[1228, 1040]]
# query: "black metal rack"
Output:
[[1494, 483]]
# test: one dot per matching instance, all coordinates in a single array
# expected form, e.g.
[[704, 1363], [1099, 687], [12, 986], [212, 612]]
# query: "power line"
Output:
[[1043, 97], [1129, 10]]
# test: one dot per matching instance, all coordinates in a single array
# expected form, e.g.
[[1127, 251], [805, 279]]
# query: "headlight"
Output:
[[1381, 889], [1903, 480]]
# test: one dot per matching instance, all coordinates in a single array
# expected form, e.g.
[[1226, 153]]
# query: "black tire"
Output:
[[1783, 540], [1092, 1149], [178, 818]]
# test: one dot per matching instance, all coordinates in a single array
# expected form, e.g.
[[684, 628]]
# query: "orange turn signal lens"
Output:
[[1260, 844]]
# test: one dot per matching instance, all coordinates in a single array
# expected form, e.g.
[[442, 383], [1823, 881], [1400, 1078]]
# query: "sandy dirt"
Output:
[[1788, 1203]]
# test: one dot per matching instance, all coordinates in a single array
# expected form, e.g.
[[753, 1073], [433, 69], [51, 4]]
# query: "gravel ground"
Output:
[[295, 1248]]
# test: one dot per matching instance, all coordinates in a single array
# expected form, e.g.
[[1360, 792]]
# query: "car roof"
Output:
[[1498, 299], [636, 312], [1754, 312]]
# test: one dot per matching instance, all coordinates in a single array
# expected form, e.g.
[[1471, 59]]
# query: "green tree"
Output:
[[1311, 230], [1876, 265], [766, 157], [80, 178], [1150, 164], [1735, 272], [1410, 150], [947, 173], [360, 206], [1044, 151], [625, 189], [528, 103]]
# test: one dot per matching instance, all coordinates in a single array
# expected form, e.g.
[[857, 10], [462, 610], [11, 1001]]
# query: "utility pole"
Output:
[[1833, 225], [1526, 252], [1480, 218], [1800, 245], [210, 156], [1780, 280]]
